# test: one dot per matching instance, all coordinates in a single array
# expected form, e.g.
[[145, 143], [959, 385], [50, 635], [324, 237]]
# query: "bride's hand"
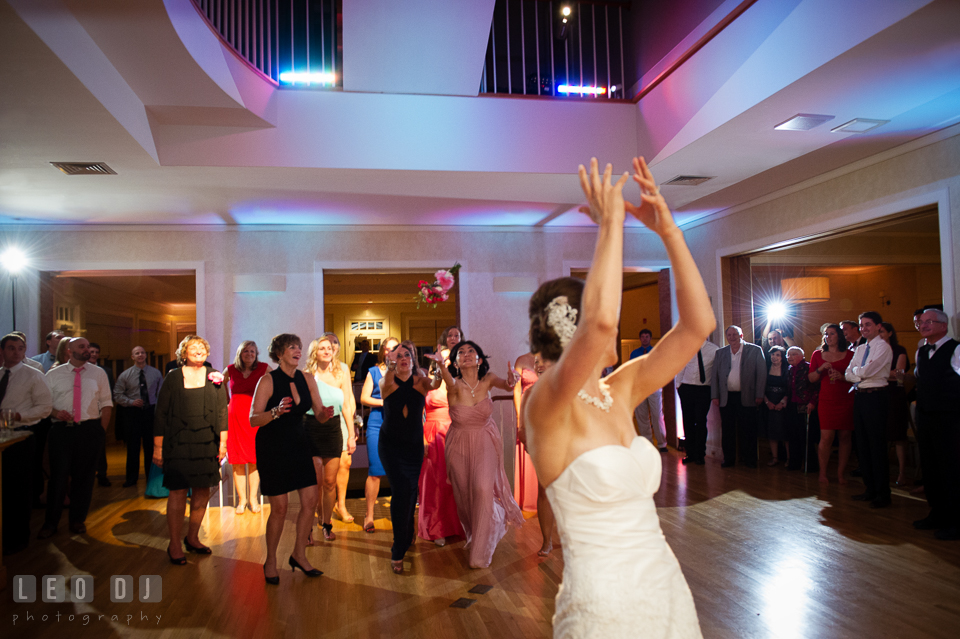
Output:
[[605, 200], [653, 211]]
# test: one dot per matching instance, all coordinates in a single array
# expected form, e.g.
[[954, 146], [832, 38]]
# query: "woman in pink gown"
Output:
[[438, 519], [474, 452], [529, 367]]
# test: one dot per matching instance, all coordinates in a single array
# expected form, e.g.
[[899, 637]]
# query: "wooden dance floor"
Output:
[[767, 553]]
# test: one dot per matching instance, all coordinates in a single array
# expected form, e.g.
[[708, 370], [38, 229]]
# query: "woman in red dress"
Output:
[[835, 404], [242, 377], [438, 517]]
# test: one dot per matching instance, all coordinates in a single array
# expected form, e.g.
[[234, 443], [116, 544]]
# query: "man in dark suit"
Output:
[[737, 386], [938, 421]]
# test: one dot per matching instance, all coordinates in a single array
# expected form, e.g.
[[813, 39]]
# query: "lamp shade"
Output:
[[800, 290]]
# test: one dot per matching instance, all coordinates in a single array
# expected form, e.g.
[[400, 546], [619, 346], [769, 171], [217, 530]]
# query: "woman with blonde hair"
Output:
[[600, 476], [348, 430], [242, 377], [190, 441], [327, 437]]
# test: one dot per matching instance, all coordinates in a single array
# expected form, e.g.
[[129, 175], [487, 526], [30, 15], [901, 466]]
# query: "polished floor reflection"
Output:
[[767, 553]]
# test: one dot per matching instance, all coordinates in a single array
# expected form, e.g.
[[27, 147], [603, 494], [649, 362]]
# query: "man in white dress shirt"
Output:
[[81, 413], [693, 387], [737, 387], [24, 392], [868, 372], [938, 418]]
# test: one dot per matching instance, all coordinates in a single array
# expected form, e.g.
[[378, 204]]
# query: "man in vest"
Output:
[[938, 421]]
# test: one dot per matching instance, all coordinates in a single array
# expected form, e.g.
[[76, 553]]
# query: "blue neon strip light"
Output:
[[296, 77], [569, 88]]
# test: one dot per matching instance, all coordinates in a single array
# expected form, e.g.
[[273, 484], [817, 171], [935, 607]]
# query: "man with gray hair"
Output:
[[737, 386], [938, 421]]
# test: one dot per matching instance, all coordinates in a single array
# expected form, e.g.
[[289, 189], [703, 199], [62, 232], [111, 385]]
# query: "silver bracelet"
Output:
[[274, 413], [391, 365]]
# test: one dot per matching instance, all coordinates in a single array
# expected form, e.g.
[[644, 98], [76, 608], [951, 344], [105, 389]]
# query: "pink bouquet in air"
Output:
[[439, 290]]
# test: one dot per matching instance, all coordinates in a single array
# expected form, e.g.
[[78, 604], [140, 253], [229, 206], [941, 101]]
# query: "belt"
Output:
[[879, 389], [72, 424]]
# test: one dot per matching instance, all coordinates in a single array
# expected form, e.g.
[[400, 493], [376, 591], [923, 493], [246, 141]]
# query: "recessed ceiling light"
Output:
[[803, 122], [859, 125]]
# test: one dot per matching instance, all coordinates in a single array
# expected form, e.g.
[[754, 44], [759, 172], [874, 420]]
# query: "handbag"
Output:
[[155, 489]]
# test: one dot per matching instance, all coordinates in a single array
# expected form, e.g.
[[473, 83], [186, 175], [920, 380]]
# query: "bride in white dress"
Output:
[[620, 578]]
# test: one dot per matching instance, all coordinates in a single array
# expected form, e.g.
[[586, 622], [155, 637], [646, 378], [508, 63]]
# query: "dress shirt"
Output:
[[691, 372], [27, 394], [46, 360], [954, 360], [34, 364], [95, 390], [127, 389], [643, 350], [733, 379], [874, 372]]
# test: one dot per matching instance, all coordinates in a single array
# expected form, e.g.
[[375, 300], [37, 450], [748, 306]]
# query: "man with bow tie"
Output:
[[938, 421]]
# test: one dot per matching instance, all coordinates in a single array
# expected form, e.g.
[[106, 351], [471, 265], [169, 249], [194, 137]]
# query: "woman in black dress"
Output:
[[190, 441], [898, 414], [776, 399], [404, 390], [282, 398]]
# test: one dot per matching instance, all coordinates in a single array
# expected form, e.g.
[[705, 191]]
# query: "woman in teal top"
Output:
[[326, 438]]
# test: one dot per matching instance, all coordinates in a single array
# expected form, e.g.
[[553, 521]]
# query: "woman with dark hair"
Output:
[[404, 392], [775, 398], [437, 518], [600, 475], [370, 396], [898, 416], [190, 441], [242, 377], [485, 503], [281, 400], [835, 403], [529, 367]]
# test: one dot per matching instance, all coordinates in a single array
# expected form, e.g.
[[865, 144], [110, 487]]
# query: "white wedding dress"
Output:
[[620, 578]]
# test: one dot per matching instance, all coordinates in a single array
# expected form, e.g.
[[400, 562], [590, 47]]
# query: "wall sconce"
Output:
[[884, 300]]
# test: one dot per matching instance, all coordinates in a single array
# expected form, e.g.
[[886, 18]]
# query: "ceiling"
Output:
[[197, 138]]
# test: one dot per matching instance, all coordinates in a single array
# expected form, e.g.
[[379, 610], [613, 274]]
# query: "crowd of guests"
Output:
[[430, 432], [853, 390]]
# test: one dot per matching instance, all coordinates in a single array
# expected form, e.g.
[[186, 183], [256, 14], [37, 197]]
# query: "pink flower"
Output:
[[216, 377], [445, 280]]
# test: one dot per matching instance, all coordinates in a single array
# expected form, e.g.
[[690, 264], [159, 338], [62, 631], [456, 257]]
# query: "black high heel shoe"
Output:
[[200, 550], [273, 581], [294, 564], [176, 561]]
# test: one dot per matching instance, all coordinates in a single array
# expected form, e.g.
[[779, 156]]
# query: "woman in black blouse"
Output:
[[190, 441]]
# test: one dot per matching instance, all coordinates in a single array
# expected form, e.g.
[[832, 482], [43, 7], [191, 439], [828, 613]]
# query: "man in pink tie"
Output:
[[82, 405]]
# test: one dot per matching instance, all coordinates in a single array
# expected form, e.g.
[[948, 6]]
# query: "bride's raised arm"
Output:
[[696, 320], [595, 333]]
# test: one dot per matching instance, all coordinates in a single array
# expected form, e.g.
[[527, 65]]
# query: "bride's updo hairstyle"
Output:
[[544, 338]]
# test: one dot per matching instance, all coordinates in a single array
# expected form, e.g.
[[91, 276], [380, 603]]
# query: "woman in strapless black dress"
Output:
[[281, 400], [404, 391]]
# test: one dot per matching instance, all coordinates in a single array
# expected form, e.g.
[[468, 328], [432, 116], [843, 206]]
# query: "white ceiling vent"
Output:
[[686, 180], [84, 168], [858, 125], [803, 122]]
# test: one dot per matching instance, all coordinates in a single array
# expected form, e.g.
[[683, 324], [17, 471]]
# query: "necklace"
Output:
[[604, 393], [470, 388]]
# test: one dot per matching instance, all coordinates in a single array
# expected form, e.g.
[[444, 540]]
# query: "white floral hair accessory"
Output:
[[562, 318]]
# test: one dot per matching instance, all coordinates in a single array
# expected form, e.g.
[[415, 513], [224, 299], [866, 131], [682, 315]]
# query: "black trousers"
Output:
[[138, 430], [73, 459], [695, 404], [404, 477], [938, 434], [18, 494], [801, 439], [870, 430], [739, 431], [40, 431]]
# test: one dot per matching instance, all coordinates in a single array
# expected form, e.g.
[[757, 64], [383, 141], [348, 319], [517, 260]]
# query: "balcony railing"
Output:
[[279, 37], [555, 49]]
